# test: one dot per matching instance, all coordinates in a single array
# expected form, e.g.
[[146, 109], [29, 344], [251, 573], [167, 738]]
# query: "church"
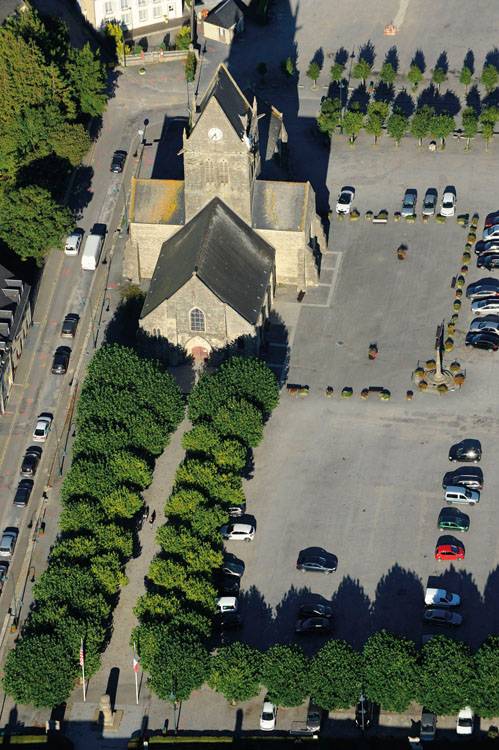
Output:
[[213, 248]]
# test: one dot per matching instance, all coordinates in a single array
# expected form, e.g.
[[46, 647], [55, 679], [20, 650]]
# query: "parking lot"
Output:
[[363, 478]]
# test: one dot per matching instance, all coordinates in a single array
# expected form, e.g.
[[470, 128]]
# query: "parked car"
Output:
[[345, 199], [232, 566], [491, 219], [227, 604], [449, 548], [4, 569], [118, 161], [468, 451], [479, 340], [8, 541], [465, 721], [491, 233], [460, 495], [73, 242], [490, 246], [441, 598], [315, 610], [449, 199], [364, 713], [409, 202], [314, 718], [42, 428], [488, 261], [442, 617], [228, 584], [23, 493], [485, 306], [60, 362], [238, 531], [236, 511], [228, 620], [69, 326], [268, 716], [316, 559], [313, 625], [490, 324], [468, 476], [428, 726], [452, 519], [430, 202], [483, 288], [30, 461]]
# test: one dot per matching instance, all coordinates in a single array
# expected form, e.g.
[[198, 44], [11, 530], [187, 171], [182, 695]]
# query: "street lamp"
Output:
[[140, 133], [173, 698]]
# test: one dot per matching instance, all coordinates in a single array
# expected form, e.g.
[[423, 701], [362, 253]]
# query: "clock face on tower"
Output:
[[215, 134]]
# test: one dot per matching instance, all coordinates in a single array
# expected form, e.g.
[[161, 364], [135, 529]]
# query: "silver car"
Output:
[[442, 617], [409, 202], [489, 324], [8, 542], [430, 202], [485, 306]]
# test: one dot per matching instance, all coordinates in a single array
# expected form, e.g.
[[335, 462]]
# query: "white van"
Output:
[[458, 494], [91, 252]]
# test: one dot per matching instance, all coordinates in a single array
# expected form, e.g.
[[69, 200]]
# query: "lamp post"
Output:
[[173, 698]]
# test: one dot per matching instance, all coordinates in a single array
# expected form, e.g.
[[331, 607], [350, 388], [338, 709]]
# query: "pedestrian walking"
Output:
[[153, 517]]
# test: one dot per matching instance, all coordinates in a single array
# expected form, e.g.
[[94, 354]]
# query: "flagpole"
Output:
[[136, 673], [82, 662]]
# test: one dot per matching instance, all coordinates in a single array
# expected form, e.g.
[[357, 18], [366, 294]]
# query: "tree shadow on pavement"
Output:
[[475, 627], [351, 612], [474, 100], [404, 103], [258, 628], [398, 603]]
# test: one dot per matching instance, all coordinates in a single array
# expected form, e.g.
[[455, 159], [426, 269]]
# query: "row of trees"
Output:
[[49, 92], [424, 123], [127, 410], [363, 68], [228, 410]]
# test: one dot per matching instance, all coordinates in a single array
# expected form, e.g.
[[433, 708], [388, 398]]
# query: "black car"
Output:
[[466, 476], [229, 620], [483, 247], [315, 610], [488, 261], [364, 713], [23, 492], [4, 568], [232, 565], [228, 585], [118, 161], [30, 461], [69, 325], [60, 362], [481, 340], [316, 559], [468, 451], [313, 625], [488, 287]]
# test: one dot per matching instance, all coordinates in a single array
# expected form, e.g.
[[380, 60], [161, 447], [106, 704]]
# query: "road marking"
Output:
[[400, 17]]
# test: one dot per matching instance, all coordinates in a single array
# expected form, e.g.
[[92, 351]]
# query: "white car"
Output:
[[268, 716], [441, 598], [227, 604], [465, 720], [235, 531], [448, 207], [345, 199], [485, 306], [490, 324], [42, 428], [73, 242]]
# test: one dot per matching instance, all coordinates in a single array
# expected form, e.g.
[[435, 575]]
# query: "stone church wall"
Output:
[[149, 239]]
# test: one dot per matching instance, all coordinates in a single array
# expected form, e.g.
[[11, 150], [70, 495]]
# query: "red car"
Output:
[[449, 552]]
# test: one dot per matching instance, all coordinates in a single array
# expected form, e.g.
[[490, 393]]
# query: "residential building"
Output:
[[223, 22], [15, 321], [136, 16]]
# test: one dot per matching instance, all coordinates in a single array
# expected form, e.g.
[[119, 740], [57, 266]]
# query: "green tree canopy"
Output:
[[446, 675], [390, 671], [470, 124], [336, 72], [396, 126], [415, 75], [353, 122], [183, 38], [387, 73], [40, 672], [240, 419], [177, 663], [438, 76], [236, 672], [335, 676], [31, 222], [465, 76], [441, 126], [87, 77], [330, 116], [490, 77], [313, 72], [376, 114], [485, 691], [421, 123], [285, 675], [361, 70]]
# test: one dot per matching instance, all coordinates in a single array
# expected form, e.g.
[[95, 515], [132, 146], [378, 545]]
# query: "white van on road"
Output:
[[92, 252]]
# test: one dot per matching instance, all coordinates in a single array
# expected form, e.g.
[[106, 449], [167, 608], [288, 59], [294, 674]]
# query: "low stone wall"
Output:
[[157, 56]]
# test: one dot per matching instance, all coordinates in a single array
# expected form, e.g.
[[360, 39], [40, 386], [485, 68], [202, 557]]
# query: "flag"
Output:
[[82, 654], [136, 663]]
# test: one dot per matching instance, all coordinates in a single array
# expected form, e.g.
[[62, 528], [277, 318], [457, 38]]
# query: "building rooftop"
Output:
[[226, 14], [157, 201], [280, 205], [224, 253], [230, 98]]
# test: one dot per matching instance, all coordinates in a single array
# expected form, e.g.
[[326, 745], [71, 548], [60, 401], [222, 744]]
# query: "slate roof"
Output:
[[226, 14], [229, 96], [157, 202], [224, 253], [280, 205]]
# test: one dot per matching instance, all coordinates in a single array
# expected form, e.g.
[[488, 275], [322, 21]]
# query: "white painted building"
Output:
[[136, 16]]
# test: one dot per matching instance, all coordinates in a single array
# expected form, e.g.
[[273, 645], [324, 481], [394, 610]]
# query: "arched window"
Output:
[[197, 320]]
